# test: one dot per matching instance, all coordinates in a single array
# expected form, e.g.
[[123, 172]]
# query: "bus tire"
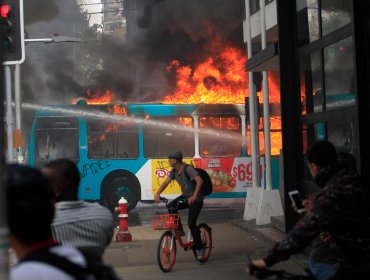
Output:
[[121, 186]]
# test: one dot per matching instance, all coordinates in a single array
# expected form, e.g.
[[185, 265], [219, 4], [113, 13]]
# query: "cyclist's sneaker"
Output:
[[200, 254]]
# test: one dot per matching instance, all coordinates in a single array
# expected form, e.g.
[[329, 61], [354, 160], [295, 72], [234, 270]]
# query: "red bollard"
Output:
[[122, 234]]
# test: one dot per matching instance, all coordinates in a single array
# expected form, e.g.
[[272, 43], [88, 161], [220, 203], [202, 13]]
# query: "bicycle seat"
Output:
[[181, 204]]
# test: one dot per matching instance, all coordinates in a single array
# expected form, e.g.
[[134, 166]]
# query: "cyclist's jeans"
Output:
[[323, 271], [180, 203]]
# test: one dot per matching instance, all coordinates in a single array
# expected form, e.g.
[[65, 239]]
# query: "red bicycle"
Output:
[[166, 250]]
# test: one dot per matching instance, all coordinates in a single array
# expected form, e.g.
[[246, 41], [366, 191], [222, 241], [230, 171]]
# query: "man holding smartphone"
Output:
[[341, 209], [297, 202]]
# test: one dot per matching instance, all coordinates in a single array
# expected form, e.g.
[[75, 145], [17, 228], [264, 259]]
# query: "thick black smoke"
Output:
[[158, 31], [164, 30]]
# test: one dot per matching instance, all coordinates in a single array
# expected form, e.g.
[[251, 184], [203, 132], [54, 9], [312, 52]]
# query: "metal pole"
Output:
[[9, 113], [17, 95], [252, 107], [17, 101], [41, 40], [266, 106], [257, 133], [196, 136], [4, 263]]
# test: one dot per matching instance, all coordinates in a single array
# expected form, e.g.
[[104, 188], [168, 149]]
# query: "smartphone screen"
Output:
[[297, 200]]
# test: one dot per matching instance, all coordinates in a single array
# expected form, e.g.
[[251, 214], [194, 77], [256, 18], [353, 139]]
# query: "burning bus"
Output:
[[122, 149]]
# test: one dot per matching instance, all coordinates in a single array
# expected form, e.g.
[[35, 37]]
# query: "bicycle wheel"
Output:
[[166, 251], [206, 237]]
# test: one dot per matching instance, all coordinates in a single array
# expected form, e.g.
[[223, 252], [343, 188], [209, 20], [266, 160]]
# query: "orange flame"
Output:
[[112, 127], [187, 122], [228, 123], [221, 79], [97, 99], [118, 110]]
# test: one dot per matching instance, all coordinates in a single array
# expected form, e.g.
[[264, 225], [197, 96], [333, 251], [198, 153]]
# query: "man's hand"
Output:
[[191, 199], [307, 203], [157, 198], [257, 263], [325, 236]]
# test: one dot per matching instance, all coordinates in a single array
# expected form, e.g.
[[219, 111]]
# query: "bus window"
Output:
[[220, 136], [173, 134], [56, 137], [109, 140]]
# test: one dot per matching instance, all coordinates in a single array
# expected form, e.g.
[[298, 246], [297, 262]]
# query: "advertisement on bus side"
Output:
[[227, 174]]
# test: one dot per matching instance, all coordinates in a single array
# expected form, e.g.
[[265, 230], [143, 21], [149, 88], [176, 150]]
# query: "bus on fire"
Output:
[[122, 149]]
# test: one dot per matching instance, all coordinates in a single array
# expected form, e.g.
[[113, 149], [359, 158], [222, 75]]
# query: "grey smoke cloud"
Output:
[[48, 74], [39, 10], [135, 69]]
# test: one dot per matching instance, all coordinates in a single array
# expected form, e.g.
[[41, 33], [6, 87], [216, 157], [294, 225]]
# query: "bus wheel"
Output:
[[122, 187]]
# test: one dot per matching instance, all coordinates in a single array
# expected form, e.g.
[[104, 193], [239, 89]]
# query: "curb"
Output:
[[252, 228]]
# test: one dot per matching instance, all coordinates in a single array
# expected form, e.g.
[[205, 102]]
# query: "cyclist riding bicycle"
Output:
[[191, 197]]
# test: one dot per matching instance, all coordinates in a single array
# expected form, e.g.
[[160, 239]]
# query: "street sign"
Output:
[[12, 31]]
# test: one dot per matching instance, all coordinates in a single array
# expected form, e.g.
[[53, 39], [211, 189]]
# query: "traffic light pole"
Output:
[[17, 95], [9, 113], [4, 245], [18, 104]]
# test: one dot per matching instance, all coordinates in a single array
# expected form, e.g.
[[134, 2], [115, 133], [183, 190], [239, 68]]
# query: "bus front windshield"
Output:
[[56, 138]]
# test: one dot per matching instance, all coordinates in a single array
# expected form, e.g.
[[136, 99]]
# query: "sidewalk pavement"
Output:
[[222, 213], [138, 259], [271, 234], [233, 238]]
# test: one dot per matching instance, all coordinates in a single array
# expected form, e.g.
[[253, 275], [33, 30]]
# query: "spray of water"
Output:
[[118, 118]]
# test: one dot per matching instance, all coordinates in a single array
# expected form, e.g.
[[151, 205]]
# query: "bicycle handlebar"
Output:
[[163, 199]]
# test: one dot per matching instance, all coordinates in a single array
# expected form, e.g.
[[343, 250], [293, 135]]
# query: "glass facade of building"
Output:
[[324, 68], [326, 73]]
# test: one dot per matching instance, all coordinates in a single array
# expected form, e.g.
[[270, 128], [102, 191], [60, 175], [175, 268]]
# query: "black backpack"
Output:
[[207, 183], [96, 270]]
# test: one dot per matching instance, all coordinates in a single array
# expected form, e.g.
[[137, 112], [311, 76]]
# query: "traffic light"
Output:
[[12, 31]]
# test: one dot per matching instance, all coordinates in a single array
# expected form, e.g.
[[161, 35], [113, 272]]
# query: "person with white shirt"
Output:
[[85, 225]]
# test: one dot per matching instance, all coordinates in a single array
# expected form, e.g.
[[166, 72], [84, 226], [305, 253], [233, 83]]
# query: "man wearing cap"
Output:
[[191, 197]]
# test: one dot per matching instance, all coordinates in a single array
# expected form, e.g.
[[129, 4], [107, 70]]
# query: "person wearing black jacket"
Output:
[[342, 209], [324, 259]]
